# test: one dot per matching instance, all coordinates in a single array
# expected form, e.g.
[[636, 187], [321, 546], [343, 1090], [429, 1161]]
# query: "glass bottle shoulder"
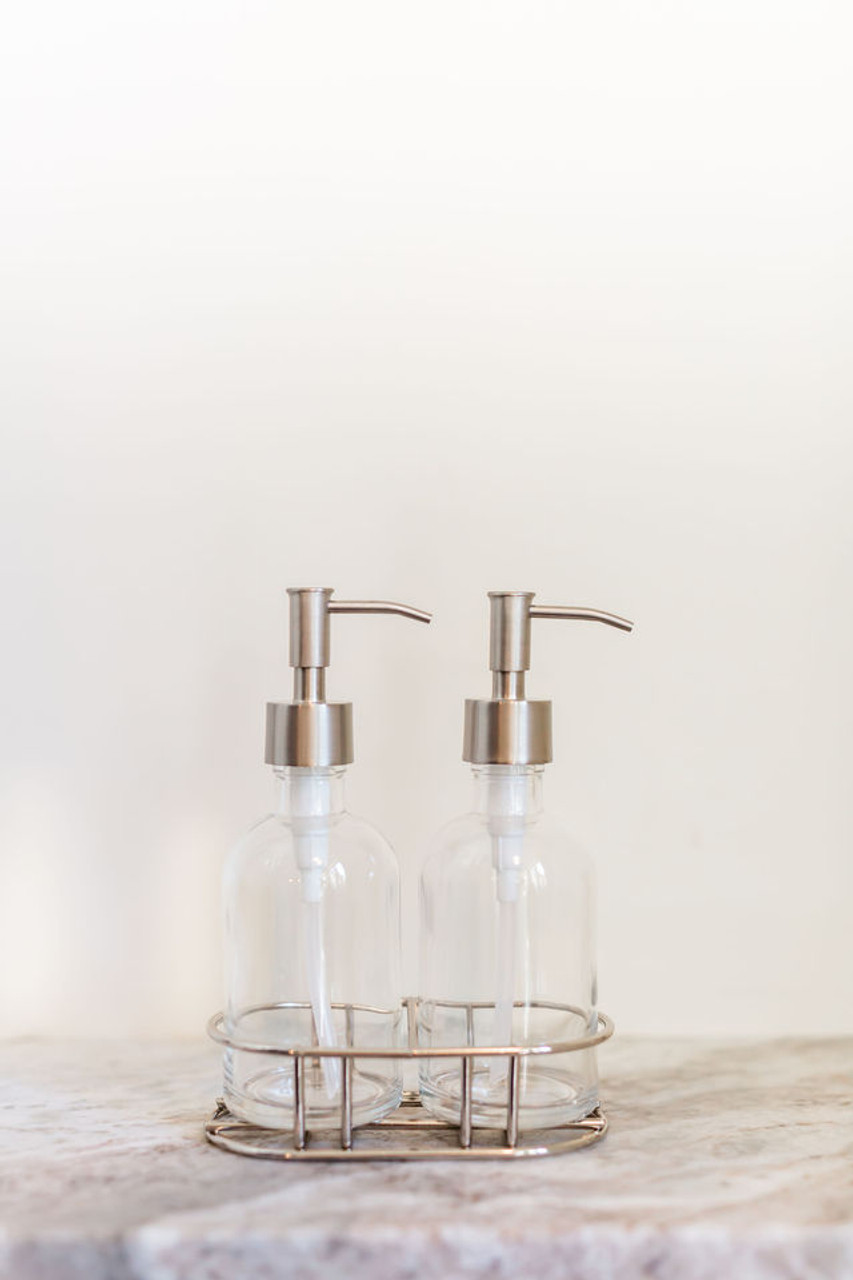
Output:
[[467, 843], [271, 843]]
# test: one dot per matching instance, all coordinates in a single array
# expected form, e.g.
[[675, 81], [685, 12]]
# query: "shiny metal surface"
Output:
[[309, 626], [346, 1104], [507, 731], [379, 606], [465, 1129], [309, 684], [508, 728], [217, 1031], [573, 613], [409, 1133], [508, 684], [513, 1094], [310, 732], [299, 1104], [509, 630], [310, 611]]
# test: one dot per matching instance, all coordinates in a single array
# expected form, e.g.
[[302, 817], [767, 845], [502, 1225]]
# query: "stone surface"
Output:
[[723, 1160]]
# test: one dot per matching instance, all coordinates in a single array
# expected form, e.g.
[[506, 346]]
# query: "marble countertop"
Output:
[[724, 1159]]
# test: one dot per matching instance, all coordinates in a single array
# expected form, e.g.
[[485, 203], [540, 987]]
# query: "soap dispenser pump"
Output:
[[506, 909], [311, 902]]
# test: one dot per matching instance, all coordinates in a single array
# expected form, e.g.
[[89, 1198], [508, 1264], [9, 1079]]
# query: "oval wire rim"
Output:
[[216, 1031]]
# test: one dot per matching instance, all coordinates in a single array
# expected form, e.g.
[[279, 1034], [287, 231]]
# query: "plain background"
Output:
[[417, 301]]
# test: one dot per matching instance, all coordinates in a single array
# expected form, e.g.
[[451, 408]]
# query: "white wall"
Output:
[[418, 301]]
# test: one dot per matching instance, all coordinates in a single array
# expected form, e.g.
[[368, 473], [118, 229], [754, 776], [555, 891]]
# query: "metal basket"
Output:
[[410, 1132]]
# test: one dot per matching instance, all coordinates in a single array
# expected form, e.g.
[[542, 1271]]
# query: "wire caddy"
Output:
[[410, 1132]]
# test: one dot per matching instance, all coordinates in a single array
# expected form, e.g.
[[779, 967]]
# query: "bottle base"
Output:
[[548, 1097], [265, 1098]]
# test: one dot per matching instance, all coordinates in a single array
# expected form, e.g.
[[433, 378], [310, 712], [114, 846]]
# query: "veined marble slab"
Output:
[[725, 1160]]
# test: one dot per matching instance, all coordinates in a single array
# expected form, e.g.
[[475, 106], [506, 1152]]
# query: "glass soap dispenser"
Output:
[[507, 909], [311, 899]]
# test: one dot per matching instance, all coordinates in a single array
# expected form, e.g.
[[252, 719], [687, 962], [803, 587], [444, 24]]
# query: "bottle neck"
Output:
[[508, 790], [309, 793]]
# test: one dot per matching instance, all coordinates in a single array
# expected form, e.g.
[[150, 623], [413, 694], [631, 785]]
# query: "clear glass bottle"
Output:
[[311, 905], [311, 898], [506, 925], [507, 910]]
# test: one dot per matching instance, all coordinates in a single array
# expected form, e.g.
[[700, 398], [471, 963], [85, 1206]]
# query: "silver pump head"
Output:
[[508, 728], [310, 732]]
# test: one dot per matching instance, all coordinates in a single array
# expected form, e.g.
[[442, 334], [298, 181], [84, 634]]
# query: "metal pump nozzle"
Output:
[[508, 728], [310, 732]]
